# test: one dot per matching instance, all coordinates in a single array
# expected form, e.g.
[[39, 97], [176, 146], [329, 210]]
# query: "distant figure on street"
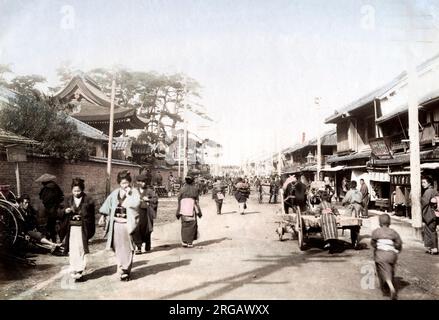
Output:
[[77, 226], [294, 194], [428, 215], [159, 179], [344, 187], [274, 190], [354, 200], [147, 214], [242, 194], [365, 202], [387, 244], [171, 181], [188, 210], [121, 209], [52, 196], [148, 177], [218, 194]]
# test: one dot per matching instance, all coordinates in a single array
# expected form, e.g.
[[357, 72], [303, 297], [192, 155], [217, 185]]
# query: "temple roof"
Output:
[[93, 106]]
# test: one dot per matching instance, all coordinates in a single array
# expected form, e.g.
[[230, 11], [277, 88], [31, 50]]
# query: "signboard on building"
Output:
[[16, 154], [380, 148], [379, 176]]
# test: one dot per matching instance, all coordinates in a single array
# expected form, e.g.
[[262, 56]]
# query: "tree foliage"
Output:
[[159, 99], [42, 119]]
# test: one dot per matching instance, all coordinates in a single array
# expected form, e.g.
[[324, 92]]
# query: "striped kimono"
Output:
[[329, 223]]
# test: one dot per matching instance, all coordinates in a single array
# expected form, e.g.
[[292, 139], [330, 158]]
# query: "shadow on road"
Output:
[[213, 241], [276, 263], [110, 270], [150, 270], [228, 212], [167, 247], [400, 283], [12, 271]]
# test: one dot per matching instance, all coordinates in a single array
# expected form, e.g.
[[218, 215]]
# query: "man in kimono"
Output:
[[365, 192], [354, 200], [294, 194], [428, 217], [51, 196], [218, 194], [147, 214]]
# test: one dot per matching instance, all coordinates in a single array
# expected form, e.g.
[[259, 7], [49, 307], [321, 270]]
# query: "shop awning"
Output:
[[352, 156], [428, 165], [354, 167], [337, 168], [398, 173]]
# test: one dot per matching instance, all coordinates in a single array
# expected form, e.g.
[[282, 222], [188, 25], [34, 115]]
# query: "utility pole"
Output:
[[415, 161], [110, 137], [319, 147], [185, 143], [179, 154]]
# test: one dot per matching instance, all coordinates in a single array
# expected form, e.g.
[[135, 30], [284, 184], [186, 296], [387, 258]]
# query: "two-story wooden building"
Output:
[[373, 141], [302, 158]]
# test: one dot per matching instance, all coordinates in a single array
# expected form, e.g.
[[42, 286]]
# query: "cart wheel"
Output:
[[300, 232], [355, 236]]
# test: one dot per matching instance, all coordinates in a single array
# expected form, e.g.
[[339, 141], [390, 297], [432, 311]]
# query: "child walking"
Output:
[[387, 244]]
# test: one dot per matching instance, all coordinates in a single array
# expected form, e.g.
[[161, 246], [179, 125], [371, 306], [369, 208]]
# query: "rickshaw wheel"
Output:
[[8, 226]]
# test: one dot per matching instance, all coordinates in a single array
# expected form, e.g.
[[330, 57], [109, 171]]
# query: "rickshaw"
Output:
[[12, 236]]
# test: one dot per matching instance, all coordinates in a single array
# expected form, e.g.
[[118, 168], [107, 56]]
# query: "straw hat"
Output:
[[46, 178]]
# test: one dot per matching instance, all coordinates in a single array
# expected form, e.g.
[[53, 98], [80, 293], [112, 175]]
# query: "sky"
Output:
[[260, 63]]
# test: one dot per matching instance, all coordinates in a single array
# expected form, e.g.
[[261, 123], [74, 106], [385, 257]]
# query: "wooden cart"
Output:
[[302, 225]]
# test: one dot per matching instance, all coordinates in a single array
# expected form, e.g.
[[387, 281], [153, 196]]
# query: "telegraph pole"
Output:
[[110, 137], [179, 154], [415, 161], [319, 147], [185, 143]]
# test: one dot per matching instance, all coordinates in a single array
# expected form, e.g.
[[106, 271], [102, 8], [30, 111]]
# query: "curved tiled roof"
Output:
[[94, 105]]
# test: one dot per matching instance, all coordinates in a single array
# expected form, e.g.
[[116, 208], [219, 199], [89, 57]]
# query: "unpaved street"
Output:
[[237, 257]]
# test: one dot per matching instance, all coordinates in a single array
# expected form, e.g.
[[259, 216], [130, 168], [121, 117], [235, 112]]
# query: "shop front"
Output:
[[400, 193], [380, 189]]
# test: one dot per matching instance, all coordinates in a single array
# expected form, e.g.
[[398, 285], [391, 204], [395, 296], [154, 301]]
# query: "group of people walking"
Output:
[[128, 215]]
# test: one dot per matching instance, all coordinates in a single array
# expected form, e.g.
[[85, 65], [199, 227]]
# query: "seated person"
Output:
[[31, 230], [313, 199], [328, 213]]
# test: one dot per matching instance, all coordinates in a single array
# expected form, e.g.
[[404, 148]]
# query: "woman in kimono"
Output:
[[77, 226], [121, 210], [147, 214], [328, 212], [188, 210], [428, 216], [218, 194], [241, 195], [387, 244]]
